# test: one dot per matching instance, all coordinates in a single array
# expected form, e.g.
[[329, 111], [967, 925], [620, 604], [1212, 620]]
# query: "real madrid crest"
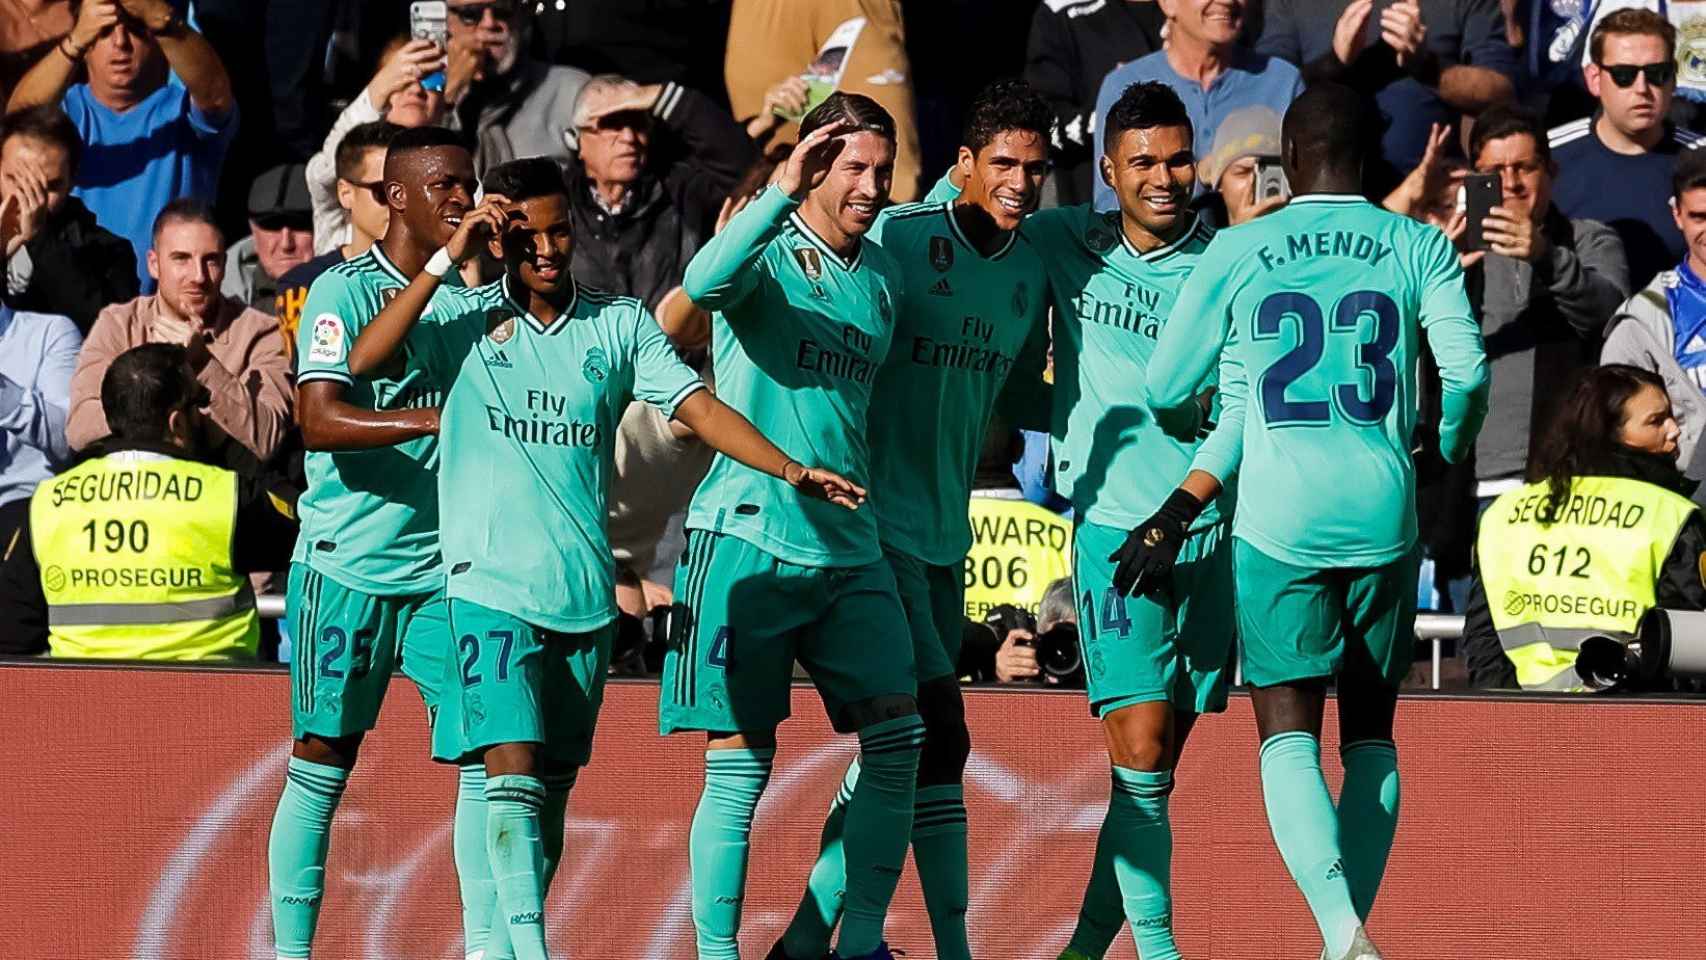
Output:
[[810, 261], [884, 308], [499, 326], [1100, 239], [941, 254]]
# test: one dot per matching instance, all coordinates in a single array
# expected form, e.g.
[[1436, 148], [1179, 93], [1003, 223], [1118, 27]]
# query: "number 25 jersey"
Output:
[[1321, 307]]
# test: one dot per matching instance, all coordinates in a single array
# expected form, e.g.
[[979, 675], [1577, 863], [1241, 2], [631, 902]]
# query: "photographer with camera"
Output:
[[1602, 532], [1011, 645]]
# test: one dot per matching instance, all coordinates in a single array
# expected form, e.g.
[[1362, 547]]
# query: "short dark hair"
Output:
[[1003, 106], [48, 124], [855, 109], [1509, 120], [1326, 122], [1690, 173], [1631, 22], [185, 210], [413, 139], [1144, 106], [142, 388], [525, 179], [360, 139]]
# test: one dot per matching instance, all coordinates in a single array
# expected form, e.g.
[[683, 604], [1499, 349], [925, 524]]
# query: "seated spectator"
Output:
[[281, 237], [1544, 290], [360, 172], [141, 551], [1018, 657], [233, 350], [1556, 569], [38, 351], [156, 113], [638, 217], [1430, 60], [1073, 45], [771, 40], [1616, 166], [511, 105], [394, 94], [1662, 328], [58, 259], [1206, 66], [1228, 171]]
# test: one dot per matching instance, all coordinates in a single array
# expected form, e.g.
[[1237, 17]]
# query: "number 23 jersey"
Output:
[[1323, 305]]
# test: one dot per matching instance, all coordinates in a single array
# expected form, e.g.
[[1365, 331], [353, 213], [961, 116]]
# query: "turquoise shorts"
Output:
[[1176, 647], [1299, 623], [934, 599], [743, 617], [348, 644]]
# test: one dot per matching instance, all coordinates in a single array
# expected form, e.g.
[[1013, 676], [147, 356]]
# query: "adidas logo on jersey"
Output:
[[500, 359], [942, 288]]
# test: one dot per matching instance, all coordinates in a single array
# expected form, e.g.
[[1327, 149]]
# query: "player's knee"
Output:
[[1138, 736], [947, 741], [856, 716], [328, 751]]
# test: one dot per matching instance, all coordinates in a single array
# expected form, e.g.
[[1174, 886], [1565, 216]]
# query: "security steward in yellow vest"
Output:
[[1547, 578], [140, 551]]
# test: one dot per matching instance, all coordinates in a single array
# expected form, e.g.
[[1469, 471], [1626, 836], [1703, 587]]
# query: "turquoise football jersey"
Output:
[[1112, 459], [1321, 306], [797, 338], [528, 442], [369, 517], [960, 329]]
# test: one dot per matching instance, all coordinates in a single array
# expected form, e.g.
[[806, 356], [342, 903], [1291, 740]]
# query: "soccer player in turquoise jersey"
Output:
[[541, 370], [804, 312], [1153, 665], [1321, 307], [364, 594], [973, 298]]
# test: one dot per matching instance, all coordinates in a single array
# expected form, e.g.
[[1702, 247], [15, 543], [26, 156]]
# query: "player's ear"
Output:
[[1105, 165], [396, 196], [966, 161]]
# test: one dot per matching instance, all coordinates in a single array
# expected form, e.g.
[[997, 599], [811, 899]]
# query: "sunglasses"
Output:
[[1657, 74], [473, 13]]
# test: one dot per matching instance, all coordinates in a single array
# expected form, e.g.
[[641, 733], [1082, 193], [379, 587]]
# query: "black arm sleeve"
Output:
[[1682, 581], [266, 528], [718, 152], [1489, 668], [23, 606]]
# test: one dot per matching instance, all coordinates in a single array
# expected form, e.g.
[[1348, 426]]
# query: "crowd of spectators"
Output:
[[179, 172]]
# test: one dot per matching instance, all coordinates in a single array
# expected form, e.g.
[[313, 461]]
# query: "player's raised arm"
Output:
[[381, 339], [1455, 338], [721, 273], [729, 433]]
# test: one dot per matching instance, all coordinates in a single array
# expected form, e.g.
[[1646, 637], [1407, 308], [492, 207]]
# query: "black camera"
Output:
[[1058, 653], [1667, 651]]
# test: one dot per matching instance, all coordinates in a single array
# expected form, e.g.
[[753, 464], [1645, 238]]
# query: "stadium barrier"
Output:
[[140, 800]]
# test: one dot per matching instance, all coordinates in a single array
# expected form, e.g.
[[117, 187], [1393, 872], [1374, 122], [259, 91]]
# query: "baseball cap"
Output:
[[1246, 132], [279, 198]]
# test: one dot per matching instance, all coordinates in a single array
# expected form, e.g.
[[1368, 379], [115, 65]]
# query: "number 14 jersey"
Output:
[[1321, 307]]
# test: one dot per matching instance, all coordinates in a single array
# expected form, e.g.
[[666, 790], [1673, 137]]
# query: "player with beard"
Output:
[[973, 299], [365, 591], [804, 314]]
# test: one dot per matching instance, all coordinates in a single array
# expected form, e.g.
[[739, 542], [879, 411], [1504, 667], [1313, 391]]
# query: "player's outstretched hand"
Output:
[[821, 484], [809, 163], [1143, 565], [478, 225]]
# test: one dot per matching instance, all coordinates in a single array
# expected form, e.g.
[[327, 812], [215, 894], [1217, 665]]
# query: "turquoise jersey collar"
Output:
[[386, 265], [1329, 198], [806, 231], [958, 234], [538, 326], [1165, 249]]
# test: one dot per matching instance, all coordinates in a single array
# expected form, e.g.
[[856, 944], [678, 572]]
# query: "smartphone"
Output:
[[1481, 193], [1270, 180], [429, 20]]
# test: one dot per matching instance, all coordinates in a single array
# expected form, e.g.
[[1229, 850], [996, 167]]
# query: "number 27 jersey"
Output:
[[1324, 304]]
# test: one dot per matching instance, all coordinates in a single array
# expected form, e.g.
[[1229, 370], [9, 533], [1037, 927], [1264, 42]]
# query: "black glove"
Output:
[[1144, 563]]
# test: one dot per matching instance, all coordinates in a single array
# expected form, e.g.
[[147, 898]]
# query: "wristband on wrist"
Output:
[[169, 26], [791, 481], [440, 264], [71, 51]]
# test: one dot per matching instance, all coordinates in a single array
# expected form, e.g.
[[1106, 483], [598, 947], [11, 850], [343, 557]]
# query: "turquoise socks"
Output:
[[719, 843], [551, 819], [473, 870], [1306, 830], [878, 827], [1368, 816], [517, 855], [1141, 840], [820, 909], [939, 850], [296, 851], [1102, 913]]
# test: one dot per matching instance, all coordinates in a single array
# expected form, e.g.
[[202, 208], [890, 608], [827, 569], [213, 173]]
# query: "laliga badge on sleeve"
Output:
[[327, 339]]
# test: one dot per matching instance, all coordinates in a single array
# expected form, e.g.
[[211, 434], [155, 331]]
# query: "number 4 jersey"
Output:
[[1321, 307]]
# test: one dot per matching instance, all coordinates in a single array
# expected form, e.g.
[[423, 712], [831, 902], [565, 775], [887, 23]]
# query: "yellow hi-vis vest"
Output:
[[135, 559], [1592, 572], [1018, 549]]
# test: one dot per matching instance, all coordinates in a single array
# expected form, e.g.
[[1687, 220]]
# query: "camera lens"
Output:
[[1057, 652]]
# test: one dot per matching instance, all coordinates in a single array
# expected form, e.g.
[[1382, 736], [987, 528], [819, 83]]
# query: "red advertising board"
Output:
[[138, 803]]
